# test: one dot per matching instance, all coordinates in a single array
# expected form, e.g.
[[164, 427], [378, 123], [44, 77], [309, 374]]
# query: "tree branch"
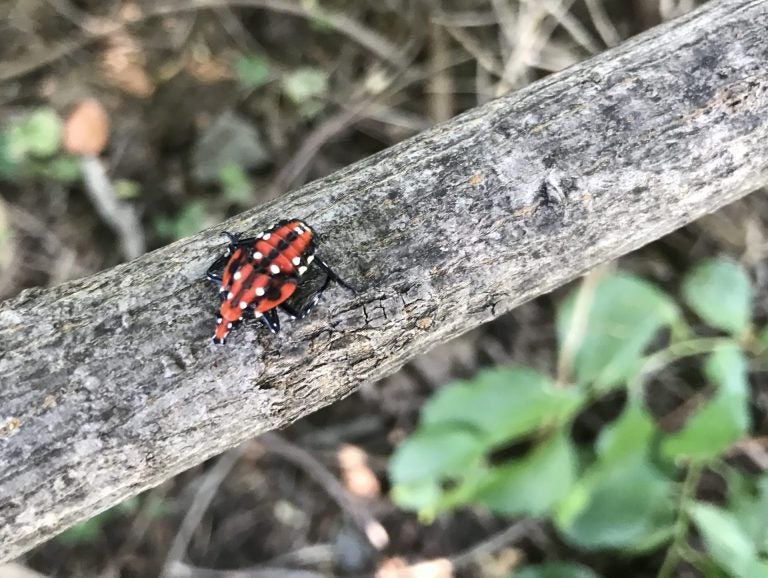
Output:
[[110, 384]]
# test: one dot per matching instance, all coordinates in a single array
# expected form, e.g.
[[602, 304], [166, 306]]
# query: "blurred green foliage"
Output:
[[252, 71], [7, 164], [305, 87], [556, 570], [633, 489], [89, 530], [37, 134], [191, 219], [30, 148], [235, 184], [197, 214], [126, 189]]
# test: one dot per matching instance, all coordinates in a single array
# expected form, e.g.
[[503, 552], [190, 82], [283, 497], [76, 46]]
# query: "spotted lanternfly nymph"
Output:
[[256, 276]]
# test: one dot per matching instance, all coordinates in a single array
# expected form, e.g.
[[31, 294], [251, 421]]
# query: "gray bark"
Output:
[[110, 384]]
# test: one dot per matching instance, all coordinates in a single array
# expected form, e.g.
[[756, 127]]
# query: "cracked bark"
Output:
[[110, 385]]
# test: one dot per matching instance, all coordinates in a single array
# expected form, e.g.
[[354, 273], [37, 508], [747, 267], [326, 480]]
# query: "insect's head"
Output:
[[223, 328], [227, 319]]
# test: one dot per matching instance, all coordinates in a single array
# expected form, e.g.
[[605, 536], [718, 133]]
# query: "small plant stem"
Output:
[[687, 494], [578, 325], [673, 353]]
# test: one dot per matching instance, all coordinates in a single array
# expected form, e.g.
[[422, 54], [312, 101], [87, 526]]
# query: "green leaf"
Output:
[[618, 505], [502, 403], [235, 184], [762, 340], [625, 315], [706, 435], [430, 498], [89, 530], [7, 164], [748, 503], [126, 189], [63, 169], [310, 109], [555, 570], [436, 469], [725, 539], [532, 485], [37, 134], [417, 496], [434, 453], [630, 435], [727, 368], [305, 84], [758, 569], [84, 532], [719, 291], [190, 220], [252, 71], [724, 419]]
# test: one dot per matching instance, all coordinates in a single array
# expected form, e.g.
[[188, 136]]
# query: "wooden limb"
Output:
[[109, 385]]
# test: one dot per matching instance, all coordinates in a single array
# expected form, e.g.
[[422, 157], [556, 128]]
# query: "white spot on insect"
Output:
[[259, 291], [230, 295], [237, 275], [222, 290], [296, 261], [257, 314], [274, 268], [299, 229], [243, 304], [302, 270], [266, 236], [229, 325], [257, 255], [219, 320], [310, 258]]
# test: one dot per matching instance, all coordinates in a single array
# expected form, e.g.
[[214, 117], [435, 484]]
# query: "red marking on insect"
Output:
[[257, 275]]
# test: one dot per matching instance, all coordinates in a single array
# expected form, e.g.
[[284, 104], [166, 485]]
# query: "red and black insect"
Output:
[[256, 276]]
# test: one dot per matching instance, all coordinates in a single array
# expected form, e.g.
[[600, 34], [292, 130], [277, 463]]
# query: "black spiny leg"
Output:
[[272, 321], [312, 300], [332, 275], [211, 274]]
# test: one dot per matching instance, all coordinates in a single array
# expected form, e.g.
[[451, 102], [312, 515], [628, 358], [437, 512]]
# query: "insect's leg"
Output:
[[212, 274], [272, 321], [312, 300], [332, 274]]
